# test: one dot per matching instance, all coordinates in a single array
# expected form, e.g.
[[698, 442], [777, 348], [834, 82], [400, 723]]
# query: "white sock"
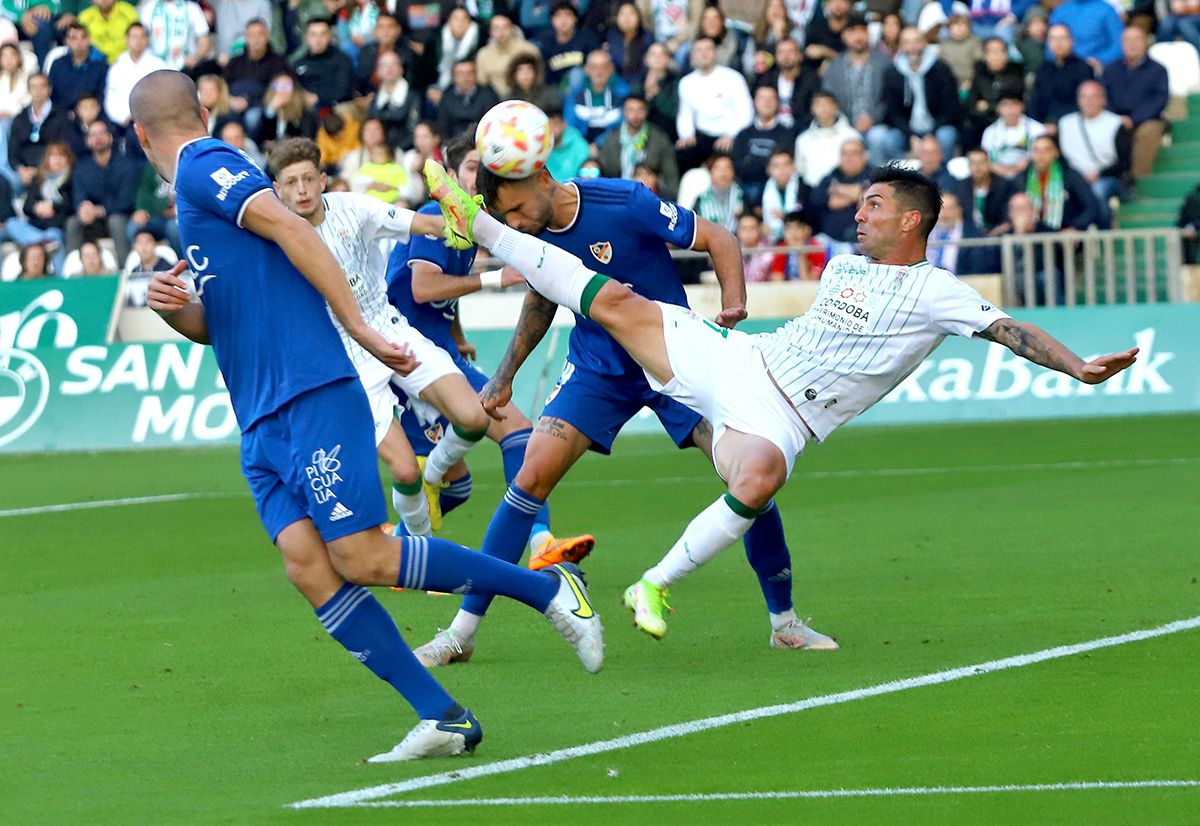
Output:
[[447, 452], [554, 273], [713, 530], [465, 624], [780, 620], [413, 510], [538, 538]]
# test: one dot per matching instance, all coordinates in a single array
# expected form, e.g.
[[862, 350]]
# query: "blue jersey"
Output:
[[268, 325], [622, 230], [434, 318]]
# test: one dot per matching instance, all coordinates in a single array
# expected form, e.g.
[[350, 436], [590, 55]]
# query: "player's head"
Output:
[[898, 211], [462, 161], [296, 167], [526, 204], [166, 112]]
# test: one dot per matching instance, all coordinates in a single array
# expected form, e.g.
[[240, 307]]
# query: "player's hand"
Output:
[[167, 291], [495, 395], [1103, 368], [730, 316], [509, 277], [396, 356], [467, 350]]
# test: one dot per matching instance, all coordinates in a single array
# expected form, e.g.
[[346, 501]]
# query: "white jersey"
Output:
[[870, 326], [174, 28]]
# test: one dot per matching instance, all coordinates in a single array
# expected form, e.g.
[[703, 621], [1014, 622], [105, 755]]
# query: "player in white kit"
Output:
[[352, 225], [876, 317]]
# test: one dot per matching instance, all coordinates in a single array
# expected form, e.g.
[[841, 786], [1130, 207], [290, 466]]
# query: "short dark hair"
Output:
[[564, 5], [1011, 95], [635, 96], [293, 150], [913, 191], [138, 24], [326, 20], [854, 20], [553, 109], [487, 184], [457, 148], [781, 150], [78, 27], [796, 217]]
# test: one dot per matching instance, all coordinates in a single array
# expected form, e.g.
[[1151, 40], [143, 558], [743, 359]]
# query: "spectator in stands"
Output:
[[48, 202], [714, 105], [795, 87], [758, 265], [337, 137], [996, 77], [105, 192], [458, 42], [14, 96], [178, 30], [772, 26], [673, 22], [493, 60], [135, 63], [566, 46], [533, 17], [1182, 21], [823, 34], [234, 134], [798, 265], [325, 71], [39, 124], [889, 36], [465, 101], [91, 262], [835, 200], [594, 105], [286, 113], [1094, 143], [1023, 220], [638, 142], [106, 22], [1188, 221], [388, 38], [933, 166], [427, 143], [1056, 84], [722, 201], [232, 18], [372, 132], [1095, 27], [1137, 91], [784, 193], [855, 79], [213, 92], [80, 71], [145, 246], [570, 147], [526, 81], [393, 101], [1062, 198], [381, 175], [355, 28], [728, 47], [920, 93], [754, 145], [628, 41], [962, 49], [1030, 42], [817, 146], [1009, 140], [989, 195], [659, 85], [944, 249], [34, 263], [35, 21], [250, 73], [648, 178], [85, 113]]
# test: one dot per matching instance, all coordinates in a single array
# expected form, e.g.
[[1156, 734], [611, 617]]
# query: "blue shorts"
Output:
[[314, 458], [423, 437], [598, 406]]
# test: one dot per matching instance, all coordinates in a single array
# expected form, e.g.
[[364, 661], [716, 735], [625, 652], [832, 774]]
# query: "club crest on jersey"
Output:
[[601, 251]]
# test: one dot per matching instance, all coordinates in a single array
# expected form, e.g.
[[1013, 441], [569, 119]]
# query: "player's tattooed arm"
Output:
[[536, 315], [722, 247], [1033, 343]]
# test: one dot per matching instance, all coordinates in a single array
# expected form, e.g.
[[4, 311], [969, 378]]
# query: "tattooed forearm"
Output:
[[536, 315], [1033, 343]]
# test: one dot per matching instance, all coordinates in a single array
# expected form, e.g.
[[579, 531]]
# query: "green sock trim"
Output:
[[469, 435], [589, 294], [408, 490], [741, 509]]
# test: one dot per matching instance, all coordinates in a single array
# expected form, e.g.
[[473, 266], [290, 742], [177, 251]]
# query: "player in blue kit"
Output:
[[262, 279], [621, 228]]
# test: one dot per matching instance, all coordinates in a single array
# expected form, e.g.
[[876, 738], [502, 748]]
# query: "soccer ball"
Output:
[[514, 139]]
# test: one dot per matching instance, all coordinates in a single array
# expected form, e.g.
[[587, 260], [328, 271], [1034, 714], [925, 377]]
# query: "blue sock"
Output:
[[355, 618], [505, 538], [440, 565], [767, 552], [512, 453], [457, 493]]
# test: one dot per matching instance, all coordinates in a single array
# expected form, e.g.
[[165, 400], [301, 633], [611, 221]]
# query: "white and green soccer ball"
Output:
[[514, 139]]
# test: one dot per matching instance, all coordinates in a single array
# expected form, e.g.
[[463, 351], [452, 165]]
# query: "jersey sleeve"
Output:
[[380, 220], [661, 219], [221, 180], [958, 308]]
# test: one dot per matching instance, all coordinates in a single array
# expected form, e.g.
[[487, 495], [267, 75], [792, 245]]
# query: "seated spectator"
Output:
[[388, 39], [1009, 140], [427, 143], [91, 262], [286, 113], [372, 133], [465, 101], [673, 22], [594, 106], [1188, 221], [354, 30], [325, 71], [944, 250], [817, 146], [232, 18], [1031, 259], [250, 73], [995, 78], [49, 201], [989, 195], [459, 42], [393, 102], [722, 201], [754, 145], [86, 112], [526, 81], [1095, 145], [14, 96], [34, 263], [493, 60], [1136, 87], [135, 63], [179, 32], [784, 193], [659, 86], [213, 92], [889, 36], [1182, 21], [920, 94], [381, 175], [566, 46], [855, 79], [628, 41], [38, 125], [337, 137], [729, 47], [36, 24], [992, 18], [795, 87], [105, 192], [798, 265], [933, 166], [823, 34], [962, 49], [145, 247], [757, 265], [637, 142], [106, 22], [714, 105], [836, 199], [234, 134], [648, 178], [82, 70], [772, 26], [570, 147], [1031, 41], [1095, 27], [1062, 198], [1056, 84]]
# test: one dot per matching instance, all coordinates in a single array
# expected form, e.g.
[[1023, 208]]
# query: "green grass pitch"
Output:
[[158, 668]]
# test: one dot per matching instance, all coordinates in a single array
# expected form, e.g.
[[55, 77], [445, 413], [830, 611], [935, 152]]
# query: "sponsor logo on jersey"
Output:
[[670, 212], [601, 251], [226, 180]]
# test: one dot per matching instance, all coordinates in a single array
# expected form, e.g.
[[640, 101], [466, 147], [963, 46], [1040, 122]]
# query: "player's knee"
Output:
[[364, 562], [404, 473], [472, 418], [536, 478], [757, 481]]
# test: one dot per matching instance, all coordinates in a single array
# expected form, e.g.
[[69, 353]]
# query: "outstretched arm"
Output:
[[722, 247], [536, 315], [1033, 343]]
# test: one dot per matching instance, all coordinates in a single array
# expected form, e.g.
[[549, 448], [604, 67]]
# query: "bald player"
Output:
[[262, 279]]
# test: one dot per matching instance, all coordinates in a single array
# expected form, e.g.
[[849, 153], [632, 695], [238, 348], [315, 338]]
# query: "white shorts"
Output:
[[721, 375], [435, 362], [377, 381]]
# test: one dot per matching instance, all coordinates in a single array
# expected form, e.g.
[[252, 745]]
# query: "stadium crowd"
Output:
[[762, 115]]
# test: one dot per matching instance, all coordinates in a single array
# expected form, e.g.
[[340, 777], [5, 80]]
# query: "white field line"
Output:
[[359, 796], [115, 503], [806, 794]]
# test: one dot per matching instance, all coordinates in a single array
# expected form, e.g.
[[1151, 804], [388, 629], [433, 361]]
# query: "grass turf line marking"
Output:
[[359, 796], [806, 794], [115, 503]]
